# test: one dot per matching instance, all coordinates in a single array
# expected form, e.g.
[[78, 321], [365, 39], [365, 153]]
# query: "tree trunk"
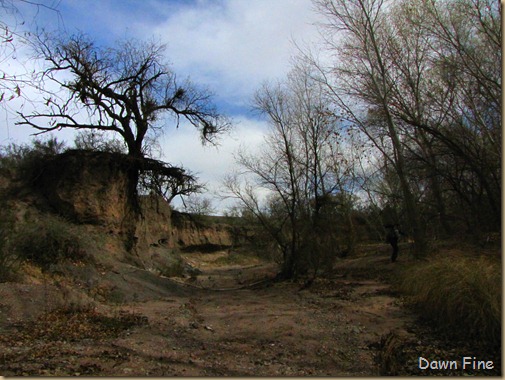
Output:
[[418, 231]]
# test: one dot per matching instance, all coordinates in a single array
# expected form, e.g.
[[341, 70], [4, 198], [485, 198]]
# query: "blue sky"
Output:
[[228, 46]]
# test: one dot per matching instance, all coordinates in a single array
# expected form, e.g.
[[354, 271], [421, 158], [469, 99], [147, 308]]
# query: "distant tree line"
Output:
[[405, 116]]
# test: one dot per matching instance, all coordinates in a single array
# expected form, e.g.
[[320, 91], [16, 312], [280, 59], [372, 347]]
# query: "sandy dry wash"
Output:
[[215, 324]]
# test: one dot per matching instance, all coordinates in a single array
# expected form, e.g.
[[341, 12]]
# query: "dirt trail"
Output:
[[329, 329], [275, 331]]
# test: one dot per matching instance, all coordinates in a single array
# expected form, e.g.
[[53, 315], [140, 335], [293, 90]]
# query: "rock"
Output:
[[191, 270]]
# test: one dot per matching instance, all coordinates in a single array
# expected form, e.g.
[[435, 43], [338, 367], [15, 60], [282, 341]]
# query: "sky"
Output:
[[229, 47]]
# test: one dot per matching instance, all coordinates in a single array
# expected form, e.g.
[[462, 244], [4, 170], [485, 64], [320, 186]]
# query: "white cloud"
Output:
[[30, 99], [236, 45], [182, 147], [230, 45]]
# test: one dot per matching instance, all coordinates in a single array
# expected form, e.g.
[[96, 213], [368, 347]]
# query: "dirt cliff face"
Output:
[[193, 234], [161, 229], [91, 188], [87, 187]]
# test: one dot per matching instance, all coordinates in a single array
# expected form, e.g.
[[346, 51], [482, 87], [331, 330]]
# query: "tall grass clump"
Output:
[[460, 293]]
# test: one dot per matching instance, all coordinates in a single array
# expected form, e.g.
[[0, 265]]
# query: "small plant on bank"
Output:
[[25, 160], [47, 241]]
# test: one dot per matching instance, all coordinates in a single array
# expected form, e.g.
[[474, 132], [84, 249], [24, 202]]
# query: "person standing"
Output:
[[392, 236]]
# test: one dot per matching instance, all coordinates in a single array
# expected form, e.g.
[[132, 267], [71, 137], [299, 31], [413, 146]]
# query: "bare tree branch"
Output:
[[127, 89]]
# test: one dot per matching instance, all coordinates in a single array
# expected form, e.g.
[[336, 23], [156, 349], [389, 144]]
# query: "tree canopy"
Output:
[[127, 89]]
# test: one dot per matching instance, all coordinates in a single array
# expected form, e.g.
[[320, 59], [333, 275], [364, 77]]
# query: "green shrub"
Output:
[[462, 294], [48, 241]]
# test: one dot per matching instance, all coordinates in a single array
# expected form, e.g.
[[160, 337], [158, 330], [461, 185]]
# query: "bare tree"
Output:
[[460, 90], [126, 90], [412, 77], [414, 72], [299, 169], [357, 31], [13, 35], [199, 205]]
